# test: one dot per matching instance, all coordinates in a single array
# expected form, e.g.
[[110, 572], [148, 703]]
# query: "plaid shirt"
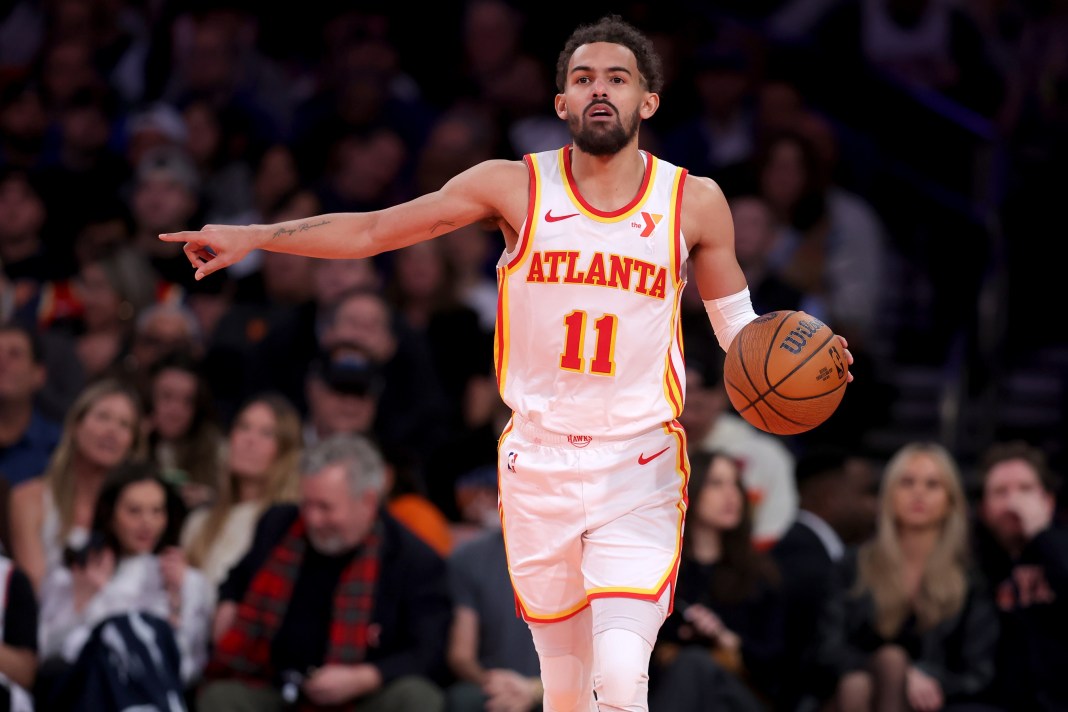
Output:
[[244, 652]]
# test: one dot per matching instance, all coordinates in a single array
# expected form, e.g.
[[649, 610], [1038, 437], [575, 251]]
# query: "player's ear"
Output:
[[649, 105], [560, 104]]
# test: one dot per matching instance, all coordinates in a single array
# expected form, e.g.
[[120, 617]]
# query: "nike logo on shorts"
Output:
[[643, 460], [549, 217]]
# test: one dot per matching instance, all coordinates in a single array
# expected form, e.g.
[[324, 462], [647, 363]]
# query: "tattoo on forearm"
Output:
[[442, 223], [303, 227]]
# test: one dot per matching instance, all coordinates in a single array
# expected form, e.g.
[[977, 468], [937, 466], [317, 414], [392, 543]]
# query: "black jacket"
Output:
[[958, 652], [412, 609]]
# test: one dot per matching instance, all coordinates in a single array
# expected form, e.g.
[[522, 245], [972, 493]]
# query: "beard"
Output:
[[602, 139], [328, 544]]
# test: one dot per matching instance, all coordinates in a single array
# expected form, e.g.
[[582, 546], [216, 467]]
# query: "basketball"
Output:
[[785, 372]]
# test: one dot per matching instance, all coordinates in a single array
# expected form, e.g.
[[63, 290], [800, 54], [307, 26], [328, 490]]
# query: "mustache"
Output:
[[600, 102]]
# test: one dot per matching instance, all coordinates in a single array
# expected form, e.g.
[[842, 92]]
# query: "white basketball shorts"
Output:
[[586, 517]]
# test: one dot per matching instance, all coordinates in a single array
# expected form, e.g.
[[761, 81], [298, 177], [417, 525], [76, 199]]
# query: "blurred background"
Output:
[[895, 168]]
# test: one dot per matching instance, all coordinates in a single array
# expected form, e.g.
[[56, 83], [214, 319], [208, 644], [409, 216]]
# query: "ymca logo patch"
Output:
[[580, 440]]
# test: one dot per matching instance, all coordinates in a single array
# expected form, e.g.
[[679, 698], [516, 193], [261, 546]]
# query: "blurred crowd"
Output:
[[157, 434]]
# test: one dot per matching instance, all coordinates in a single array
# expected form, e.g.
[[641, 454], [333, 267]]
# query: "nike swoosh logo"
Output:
[[549, 217], [643, 460]]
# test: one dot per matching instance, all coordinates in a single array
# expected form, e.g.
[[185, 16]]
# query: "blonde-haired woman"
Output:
[[911, 629], [260, 469], [102, 429]]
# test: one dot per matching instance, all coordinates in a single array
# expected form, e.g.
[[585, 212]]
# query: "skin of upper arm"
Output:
[[492, 190], [709, 231], [26, 514]]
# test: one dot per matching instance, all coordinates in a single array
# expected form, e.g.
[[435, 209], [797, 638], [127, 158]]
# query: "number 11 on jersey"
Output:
[[603, 361]]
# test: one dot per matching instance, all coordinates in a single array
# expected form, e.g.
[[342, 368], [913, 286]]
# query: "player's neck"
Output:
[[608, 182]]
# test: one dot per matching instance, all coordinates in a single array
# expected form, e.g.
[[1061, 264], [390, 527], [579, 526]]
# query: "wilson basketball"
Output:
[[785, 372]]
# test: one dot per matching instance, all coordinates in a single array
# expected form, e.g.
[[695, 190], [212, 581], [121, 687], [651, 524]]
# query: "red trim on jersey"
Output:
[[532, 206], [570, 178], [678, 227], [499, 329]]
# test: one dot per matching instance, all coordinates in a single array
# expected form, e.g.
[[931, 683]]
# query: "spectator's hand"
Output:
[[172, 566], [1034, 510], [704, 621], [89, 579], [336, 684], [225, 615], [508, 691], [923, 691]]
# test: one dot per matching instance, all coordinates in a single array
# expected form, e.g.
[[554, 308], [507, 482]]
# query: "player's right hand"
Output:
[[216, 246]]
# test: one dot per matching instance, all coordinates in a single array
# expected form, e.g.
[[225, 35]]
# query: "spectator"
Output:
[[18, 638], [165, 196], [260, 470], [831, 243], [184, 437], [23, 249], [344, 390], [910, 622], [767, 464], [27, 437], [336, 642], [837, 509], [162, 329], [102, 429], [129, 564], [412, 405], [754, 238], [111, 292], [721, 646], [1024, 556], [490, 649]]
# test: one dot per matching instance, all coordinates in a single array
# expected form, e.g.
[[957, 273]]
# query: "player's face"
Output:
[[604, 98]]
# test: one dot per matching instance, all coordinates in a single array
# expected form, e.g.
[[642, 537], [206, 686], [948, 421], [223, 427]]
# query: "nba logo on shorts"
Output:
[[580, 440], [512, 456]]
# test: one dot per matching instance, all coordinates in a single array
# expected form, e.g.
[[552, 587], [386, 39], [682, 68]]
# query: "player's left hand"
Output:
[[848, 356], [508, 691]]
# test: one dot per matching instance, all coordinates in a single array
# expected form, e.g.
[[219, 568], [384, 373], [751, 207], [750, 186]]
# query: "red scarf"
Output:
[[244, 652]]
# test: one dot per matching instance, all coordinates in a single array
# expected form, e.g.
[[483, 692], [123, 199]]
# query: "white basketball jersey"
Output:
[[588, 340]]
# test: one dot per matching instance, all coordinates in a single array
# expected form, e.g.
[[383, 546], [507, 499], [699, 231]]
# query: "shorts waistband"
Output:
[[541, 436]]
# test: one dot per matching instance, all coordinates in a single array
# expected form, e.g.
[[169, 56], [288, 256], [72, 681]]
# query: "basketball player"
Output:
[[588, 354]]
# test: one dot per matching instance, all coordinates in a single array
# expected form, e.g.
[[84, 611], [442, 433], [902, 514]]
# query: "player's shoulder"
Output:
[[704, 208], [702, 190]]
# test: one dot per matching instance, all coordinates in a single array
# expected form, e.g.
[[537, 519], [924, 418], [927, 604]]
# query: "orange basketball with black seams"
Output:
[[785, 372]]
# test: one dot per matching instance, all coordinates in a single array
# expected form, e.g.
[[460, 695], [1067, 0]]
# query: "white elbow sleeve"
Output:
[[729, 314]]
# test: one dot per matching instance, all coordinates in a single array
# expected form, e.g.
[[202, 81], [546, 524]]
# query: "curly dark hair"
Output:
[[612, 28]]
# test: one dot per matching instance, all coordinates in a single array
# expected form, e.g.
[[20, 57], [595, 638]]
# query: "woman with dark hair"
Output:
[[184, 437], [129, 565], [717, 650]]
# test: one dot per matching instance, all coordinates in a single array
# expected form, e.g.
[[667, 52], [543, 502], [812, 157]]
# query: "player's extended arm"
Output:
[[479, 193]]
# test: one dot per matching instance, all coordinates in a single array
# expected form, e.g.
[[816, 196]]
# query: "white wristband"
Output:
[[729, 314]]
